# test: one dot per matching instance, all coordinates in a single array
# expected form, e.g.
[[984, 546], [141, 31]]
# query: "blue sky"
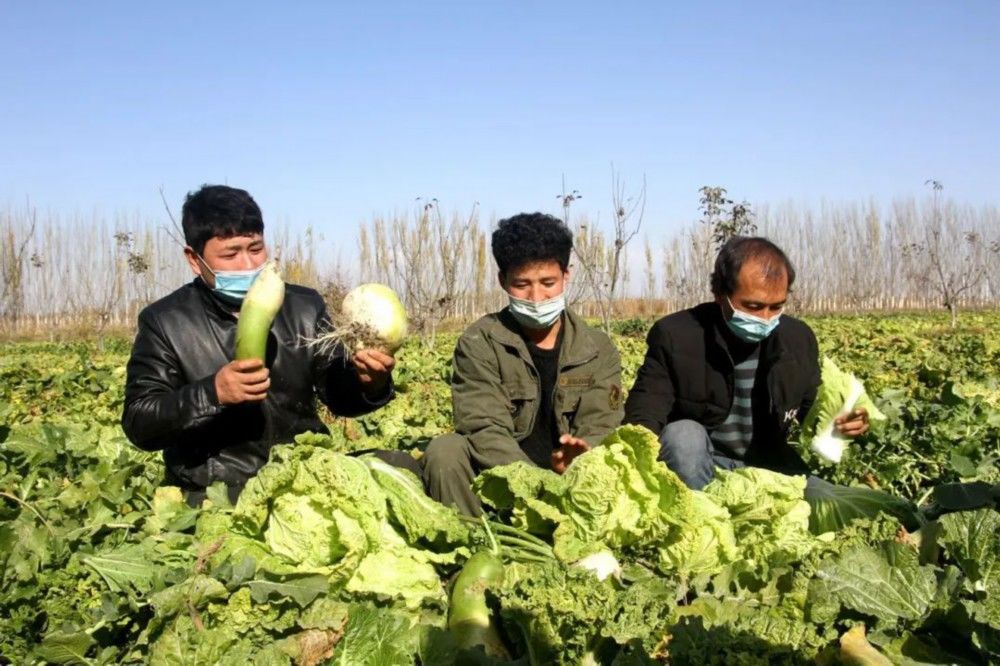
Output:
[[330, 112]]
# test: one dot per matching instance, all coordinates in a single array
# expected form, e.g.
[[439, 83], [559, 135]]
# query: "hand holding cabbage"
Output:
[[842, 410]]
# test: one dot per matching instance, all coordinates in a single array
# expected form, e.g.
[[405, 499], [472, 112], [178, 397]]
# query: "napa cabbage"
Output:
[[839, 393]]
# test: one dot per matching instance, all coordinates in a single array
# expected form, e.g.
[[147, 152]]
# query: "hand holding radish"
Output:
[[245, 380], [374, 369]]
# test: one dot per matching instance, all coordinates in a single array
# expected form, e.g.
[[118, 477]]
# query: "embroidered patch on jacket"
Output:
[[615, 397], [581, 381]]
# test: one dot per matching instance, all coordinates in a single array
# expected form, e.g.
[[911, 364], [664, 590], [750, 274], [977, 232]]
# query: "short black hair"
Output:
[[531, 237], [737, 251], [219, 210]]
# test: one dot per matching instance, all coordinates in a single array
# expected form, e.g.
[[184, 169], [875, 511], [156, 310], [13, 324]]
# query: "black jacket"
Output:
[[688, 374], [170, 400]]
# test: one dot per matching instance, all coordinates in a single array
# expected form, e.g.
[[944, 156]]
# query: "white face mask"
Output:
[[540, 314]]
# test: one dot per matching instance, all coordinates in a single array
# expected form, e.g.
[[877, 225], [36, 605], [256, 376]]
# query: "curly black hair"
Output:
[[219, 210], [737, 251], [531, 237]]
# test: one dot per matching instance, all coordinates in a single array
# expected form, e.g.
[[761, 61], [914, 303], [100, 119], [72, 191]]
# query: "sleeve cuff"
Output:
[[385, 398]]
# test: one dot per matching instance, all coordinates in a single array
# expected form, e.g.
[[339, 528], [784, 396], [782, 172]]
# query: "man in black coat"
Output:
[[216, 419], [722, 382]]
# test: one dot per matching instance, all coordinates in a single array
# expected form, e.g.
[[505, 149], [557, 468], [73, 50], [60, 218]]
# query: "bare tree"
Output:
[[12, 267], [578, 290], [112, 294], [428, 260], [603, 263], [956, 259], [650, 288]]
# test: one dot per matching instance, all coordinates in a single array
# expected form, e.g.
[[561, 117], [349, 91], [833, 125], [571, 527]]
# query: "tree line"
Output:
[[92, 274]]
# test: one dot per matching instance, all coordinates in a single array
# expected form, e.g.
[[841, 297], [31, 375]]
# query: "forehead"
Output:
[[222, 243], [763, 280], [535, 270]]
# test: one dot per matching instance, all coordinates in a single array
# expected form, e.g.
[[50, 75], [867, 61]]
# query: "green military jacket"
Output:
[[495, 387]]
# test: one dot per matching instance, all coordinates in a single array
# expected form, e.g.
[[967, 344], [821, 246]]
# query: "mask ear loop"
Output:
[[205, 264]]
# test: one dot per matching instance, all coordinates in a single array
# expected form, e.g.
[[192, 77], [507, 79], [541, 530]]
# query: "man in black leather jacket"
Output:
[[723, 381], [216, 419]]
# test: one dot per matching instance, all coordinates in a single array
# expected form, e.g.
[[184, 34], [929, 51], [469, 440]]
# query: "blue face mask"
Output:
[[537, 315], [749, 328], [233, 285]]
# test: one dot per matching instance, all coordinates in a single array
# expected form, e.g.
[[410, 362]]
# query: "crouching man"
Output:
[[723, 381], [216, 419], [531, 382]]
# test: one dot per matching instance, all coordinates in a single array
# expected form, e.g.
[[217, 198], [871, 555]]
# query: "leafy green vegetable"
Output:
[[100, 565], [886, 584], [617, 497], [419, 518], [376, 637], [317, 509], [973, 540], [557, 612], [769, 516], [838, 394], [834, 506]]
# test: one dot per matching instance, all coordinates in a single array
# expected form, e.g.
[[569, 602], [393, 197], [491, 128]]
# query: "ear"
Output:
[[727, 310], [195, 263], [501, 278]]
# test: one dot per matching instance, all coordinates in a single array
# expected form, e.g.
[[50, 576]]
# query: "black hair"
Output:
[[531, 237], [219, 210], [737, 251]]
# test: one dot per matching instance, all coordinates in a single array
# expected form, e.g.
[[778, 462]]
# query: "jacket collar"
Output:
[[577, 347], [214, 303]]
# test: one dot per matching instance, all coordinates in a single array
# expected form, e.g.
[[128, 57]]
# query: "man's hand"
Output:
[[374, 369], [854, 424], [569, 448], [242, 381]]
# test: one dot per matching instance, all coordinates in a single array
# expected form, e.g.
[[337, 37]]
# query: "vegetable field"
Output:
[[328, 558]]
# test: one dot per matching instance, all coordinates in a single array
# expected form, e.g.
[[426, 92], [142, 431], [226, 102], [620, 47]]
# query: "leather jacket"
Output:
[[171, 405]]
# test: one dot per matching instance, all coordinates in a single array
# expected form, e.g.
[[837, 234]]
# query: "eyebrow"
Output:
[[236, 246]]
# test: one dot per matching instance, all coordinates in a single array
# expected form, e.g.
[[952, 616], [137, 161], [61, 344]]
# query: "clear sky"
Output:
[[330, 112]]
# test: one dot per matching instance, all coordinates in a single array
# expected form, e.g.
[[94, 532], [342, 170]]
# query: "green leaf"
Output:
[[950, 497], [65, 648], [218, 495], [131, 566], [376, 637], [302, 590], [962, 465], [912, 650], [833, 506], [194, 593], [973, 540], [887, 584], [420, 519], [400, 572]]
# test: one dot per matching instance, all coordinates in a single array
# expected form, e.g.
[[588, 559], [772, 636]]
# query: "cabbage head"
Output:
[[838, 394]]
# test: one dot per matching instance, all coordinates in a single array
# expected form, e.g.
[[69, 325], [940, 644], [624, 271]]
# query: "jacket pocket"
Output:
[[523, 405], [568, 405]]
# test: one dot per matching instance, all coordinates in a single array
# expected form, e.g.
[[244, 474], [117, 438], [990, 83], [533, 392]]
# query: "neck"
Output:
[[544, 338]]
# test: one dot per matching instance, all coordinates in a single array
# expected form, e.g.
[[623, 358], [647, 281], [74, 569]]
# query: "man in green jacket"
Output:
[[531, 383]]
